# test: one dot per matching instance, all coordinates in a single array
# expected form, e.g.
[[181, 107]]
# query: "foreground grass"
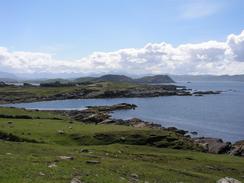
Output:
[[23, 162]]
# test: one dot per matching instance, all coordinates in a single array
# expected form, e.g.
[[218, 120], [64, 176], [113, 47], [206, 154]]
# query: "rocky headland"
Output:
[[10, 93]]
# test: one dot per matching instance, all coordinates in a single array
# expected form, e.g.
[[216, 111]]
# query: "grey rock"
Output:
[[228, 180], [213, 145], [61, 132], [93, 162], [66, 157], [75, 180], [52, 165]]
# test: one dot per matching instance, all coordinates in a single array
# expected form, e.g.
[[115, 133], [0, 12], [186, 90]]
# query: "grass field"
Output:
[[115, 160], [15, 94]]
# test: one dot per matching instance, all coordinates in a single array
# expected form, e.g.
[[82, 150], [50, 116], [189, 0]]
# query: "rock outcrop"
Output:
[[213, 145], [237, 148]]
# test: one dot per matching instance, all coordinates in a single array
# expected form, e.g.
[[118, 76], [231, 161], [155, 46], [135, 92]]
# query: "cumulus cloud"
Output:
[[210, 57]]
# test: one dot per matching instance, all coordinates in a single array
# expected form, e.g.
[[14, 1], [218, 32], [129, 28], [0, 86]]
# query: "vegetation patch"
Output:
[[10, 137]]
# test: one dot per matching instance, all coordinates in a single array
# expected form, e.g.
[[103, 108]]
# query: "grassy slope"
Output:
[[22, 162]]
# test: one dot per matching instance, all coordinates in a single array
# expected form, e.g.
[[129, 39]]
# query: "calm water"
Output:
[[211, 115]]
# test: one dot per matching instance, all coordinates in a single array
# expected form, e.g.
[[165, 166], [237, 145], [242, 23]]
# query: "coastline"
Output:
[[100, 115], [30, 93]]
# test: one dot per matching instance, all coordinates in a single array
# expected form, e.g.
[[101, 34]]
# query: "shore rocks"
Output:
[[237, 149], [201, 93], [100, 115], [213, 145], [121, 106], [179, 131], [97, 114]]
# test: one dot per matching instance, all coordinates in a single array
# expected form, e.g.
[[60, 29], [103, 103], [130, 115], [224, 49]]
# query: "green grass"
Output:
[[22, 162], [16, 94], [31, 113]]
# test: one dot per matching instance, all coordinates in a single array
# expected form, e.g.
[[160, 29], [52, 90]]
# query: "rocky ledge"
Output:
[[101, 115], [218, 146]]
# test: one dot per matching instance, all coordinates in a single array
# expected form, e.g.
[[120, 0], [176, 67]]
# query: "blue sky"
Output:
[[64, 36], [76, 28]]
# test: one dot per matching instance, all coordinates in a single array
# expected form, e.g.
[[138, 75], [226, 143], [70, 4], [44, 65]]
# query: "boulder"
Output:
[[75, 180], [61, 132], [52, 165], [237, 149], [66, 158], [228, 180], [213, 145], [41, 174]]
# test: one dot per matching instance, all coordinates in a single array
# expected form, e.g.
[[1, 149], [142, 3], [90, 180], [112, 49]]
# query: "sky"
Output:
[[135, 37]]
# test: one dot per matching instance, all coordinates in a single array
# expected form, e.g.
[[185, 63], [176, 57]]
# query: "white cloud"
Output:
[[210, 57]]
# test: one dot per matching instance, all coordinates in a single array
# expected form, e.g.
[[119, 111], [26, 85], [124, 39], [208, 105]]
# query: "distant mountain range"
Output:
[[11, 78], [207, 78], [110, 78], [7, 77], [155, 79], [123, 78]]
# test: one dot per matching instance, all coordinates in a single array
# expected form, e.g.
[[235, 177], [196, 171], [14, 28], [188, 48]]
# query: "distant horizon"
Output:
[[5, 75]]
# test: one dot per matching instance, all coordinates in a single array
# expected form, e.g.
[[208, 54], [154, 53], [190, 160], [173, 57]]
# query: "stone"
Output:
[[93, 162], [61, 132], [75, 180], [213, 145], [41, 174], [66, 158], [52, 165], [228, 180]]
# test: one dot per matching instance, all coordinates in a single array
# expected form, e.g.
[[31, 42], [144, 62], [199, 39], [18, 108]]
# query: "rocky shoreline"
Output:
[[101, 115]]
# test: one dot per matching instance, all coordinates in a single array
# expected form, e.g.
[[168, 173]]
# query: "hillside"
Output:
[[155, 79], [114, 78], [126, 79], [84, 79]]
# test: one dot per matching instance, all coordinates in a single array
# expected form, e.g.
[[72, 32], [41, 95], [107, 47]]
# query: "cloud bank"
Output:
[[210, 57]]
